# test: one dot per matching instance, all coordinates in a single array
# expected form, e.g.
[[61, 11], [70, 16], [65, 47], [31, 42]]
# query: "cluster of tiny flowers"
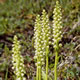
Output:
[[42, 37], [17, 60], [46, 34], [45, 31], [57, 25], [38, 42]]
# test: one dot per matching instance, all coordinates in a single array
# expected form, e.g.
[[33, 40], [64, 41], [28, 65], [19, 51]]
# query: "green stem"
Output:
[[47, 51], [37, 71], [56, 62], [40, 73], [6, 76]]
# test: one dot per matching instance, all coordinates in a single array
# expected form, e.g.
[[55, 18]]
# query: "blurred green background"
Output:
[[17, 17]]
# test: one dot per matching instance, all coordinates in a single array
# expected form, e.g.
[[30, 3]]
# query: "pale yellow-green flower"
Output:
[[17, 60], [57, 33], [57, 24], [38, 41], [38, 46], [45, 31], [46, 38], [42, 41]]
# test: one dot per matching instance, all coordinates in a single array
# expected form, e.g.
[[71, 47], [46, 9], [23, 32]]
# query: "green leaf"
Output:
[[28, 58], [44, 76]]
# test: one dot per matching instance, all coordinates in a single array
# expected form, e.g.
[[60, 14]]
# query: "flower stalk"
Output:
[[17, 60], [57, 34], [38, 47], [46, 38], [42, 37]]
